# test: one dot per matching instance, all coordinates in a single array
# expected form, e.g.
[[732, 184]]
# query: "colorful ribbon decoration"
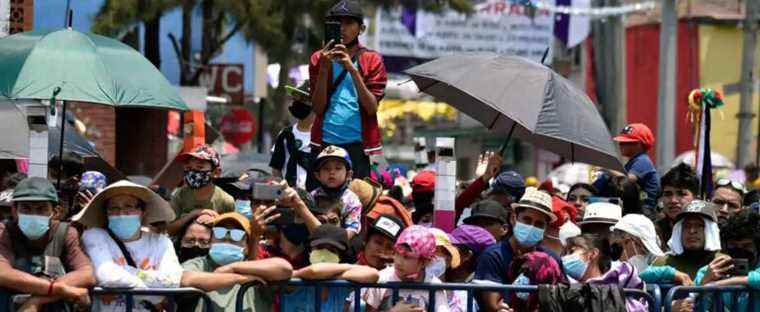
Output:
[[700, 102]]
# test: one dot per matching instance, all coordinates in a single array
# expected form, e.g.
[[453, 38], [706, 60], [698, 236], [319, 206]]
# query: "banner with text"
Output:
[[496, 26]]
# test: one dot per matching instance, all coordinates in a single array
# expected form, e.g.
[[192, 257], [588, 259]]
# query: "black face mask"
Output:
[[297, 234], [192, 252], [616, 250], [299, 110]]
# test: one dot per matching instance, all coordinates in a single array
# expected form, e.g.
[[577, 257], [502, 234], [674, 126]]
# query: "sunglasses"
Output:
[[732, 184], [235, 234]]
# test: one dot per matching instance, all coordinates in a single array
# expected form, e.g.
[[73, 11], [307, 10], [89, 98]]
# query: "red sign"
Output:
[[225, 80], [238, 126]]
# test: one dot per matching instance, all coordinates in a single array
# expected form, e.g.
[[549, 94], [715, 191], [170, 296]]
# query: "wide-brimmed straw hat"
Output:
[[156, 208]]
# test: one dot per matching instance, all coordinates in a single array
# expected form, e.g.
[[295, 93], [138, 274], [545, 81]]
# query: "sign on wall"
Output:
[[224, 80]]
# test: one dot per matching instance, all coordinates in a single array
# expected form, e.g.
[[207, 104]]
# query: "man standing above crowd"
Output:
[[348, 82], [635, 141]]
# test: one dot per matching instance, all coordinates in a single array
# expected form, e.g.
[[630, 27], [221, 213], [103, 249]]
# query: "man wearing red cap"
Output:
[[635, 140]]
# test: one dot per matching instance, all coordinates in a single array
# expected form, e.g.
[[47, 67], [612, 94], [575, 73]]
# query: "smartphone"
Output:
[[287, 216], [611, 200], [741, 267], [266, 192], [333, 32]]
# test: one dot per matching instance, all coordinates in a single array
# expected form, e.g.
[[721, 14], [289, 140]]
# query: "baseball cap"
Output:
[[420, 241], [35, 189], [640, 226], [474, 237], [602, 212], [487, 209], [442, 240], [328, 234], [346, 8], [235, 218], [388, 225], [424, 182], [203, 152], [509, 182], [698, 207], [300, 92], [636, 132], [332, 152]]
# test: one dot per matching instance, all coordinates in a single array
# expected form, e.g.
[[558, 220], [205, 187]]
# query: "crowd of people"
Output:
[[330, 210]]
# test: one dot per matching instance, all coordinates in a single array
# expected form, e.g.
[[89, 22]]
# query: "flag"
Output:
[[704, 158], [572, 29]]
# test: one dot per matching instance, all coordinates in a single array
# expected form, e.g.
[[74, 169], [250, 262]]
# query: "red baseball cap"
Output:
[[636, 132], [424, 182]]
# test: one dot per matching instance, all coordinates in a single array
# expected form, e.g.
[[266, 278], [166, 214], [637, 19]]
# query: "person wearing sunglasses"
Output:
[[728, 197], [124, 252], [229, 264]]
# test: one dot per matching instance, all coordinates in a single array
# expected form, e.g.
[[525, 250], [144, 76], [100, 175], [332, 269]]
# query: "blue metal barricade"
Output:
[[166, 292], [651, 294], [712, 298]]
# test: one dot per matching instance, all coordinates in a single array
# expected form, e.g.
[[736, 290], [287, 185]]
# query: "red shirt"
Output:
[[372, 70]]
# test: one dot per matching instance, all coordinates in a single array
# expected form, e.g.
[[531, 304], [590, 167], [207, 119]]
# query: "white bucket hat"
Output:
[[640, 226], [602, 213], [156, 208]]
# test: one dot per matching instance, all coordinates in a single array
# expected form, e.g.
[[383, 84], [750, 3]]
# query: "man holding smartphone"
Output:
[[347, 82]]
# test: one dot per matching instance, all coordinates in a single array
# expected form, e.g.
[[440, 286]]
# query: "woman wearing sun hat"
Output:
[[123, 253]]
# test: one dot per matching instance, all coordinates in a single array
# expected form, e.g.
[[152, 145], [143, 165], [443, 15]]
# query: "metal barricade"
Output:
[[714, 297], [651, 294], [166, 292]]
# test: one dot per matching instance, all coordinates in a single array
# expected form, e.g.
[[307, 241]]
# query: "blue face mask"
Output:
[[124, 227], [225, 253], [522, 280], [574, 266], [528, 235], [243, 207], [33, 226]]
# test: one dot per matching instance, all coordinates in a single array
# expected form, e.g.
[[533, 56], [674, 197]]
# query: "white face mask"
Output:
[[640, 262], [436, 268]]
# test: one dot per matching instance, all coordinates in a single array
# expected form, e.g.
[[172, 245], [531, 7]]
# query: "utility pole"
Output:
[[609, 59], [666, 97], [747, 84]]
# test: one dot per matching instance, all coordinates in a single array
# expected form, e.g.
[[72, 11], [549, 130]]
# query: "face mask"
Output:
[[299, 110], [296, 233], [616, 250], [243, 207], [124, 227], [436, 268], [522, 280], [225, 253], [323, 256], [409, 277], [197, 179], [33, 226], [574, 266], [640, 262], [528, 235], [192, 252]]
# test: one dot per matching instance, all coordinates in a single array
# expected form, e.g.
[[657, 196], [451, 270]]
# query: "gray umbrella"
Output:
[[524, 98]]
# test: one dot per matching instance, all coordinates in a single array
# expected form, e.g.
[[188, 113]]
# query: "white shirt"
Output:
[[158, 266], [304, 146]]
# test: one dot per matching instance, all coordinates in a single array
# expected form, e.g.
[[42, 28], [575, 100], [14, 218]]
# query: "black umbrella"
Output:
[[522, 98]]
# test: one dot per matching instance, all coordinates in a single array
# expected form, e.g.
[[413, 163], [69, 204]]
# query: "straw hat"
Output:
[[537, 200], [156, 208]]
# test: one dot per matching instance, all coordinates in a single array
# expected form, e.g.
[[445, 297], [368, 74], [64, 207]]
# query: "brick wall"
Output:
[[21, 16], [100, 121]]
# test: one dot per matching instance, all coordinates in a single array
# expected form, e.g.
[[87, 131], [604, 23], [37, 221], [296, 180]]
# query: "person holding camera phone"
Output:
[[740, 266], [347, 82]]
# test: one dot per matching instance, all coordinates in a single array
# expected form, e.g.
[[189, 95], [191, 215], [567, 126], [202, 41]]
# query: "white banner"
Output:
[[497, 26], [5, 17]]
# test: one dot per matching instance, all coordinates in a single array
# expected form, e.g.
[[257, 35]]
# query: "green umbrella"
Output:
[[86, 67]]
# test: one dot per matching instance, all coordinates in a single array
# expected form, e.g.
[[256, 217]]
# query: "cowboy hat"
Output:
[[156, 208]]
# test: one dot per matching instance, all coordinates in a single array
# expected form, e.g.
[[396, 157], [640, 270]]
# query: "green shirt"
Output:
[[183, 201], [224, 299]]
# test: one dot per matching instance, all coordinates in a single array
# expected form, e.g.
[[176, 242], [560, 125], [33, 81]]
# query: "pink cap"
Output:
[[420, 240]]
